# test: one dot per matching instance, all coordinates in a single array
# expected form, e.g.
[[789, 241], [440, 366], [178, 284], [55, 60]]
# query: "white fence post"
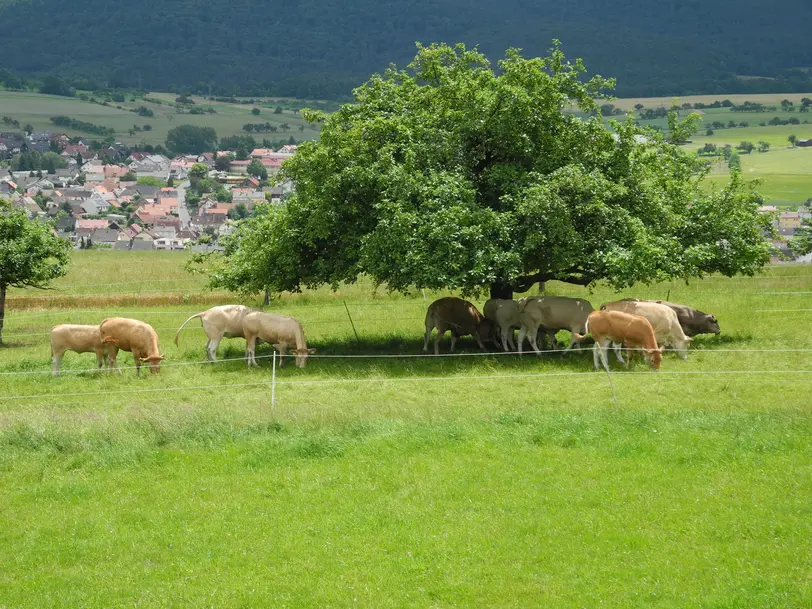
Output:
[[273, 382]]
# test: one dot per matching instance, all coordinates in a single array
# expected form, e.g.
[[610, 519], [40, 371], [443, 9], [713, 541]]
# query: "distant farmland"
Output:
[[786, 172]]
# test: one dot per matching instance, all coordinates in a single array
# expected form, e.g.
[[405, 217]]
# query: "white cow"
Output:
[[662, 318], [78, 338], [560, 313], [279, 330], [225, 321], [504, 313]]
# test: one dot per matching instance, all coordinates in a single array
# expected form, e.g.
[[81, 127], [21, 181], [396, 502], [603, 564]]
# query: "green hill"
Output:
[[322, 48]]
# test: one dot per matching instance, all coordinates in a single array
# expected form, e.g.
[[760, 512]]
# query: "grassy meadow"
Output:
[[482, 480], [37, 109]]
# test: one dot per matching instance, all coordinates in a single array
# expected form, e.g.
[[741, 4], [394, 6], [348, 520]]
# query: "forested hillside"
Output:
[[322, 48]]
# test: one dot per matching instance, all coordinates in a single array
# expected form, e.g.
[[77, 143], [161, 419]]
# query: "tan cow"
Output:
[[504, 314], [137, 337], [225, 321], [617, 327], [459, 316], [662, 318], [280, 331], [78, 338]]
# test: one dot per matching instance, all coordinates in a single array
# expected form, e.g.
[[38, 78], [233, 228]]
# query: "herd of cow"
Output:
[[649, 326], [645, 325]]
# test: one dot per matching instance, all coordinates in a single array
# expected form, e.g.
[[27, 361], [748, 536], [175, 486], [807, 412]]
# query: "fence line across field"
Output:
[[413, 379], [400, 356]]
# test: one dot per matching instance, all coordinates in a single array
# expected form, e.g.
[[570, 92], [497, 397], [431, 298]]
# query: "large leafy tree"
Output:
[[454, 175], [30, 254], [191, 139]]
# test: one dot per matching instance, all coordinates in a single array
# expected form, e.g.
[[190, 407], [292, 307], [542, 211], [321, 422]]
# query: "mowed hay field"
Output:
[[481, 480]]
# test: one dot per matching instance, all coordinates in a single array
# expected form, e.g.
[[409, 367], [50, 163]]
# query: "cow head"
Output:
[[301, 356], [711, 325], [654, 356], [154, 363]]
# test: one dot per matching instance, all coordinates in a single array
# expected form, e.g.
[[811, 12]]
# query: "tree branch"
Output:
[[573, 275]]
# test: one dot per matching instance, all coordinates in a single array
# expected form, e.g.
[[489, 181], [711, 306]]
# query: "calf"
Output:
[[137, 337], [78, 338], [617, 327], [280, 331], [225, 321], [459, 316], [663, 319]]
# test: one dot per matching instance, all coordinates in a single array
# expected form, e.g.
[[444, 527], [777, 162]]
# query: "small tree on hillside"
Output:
[[746, 147], [763, 146], [255, 111], [792, 139], [30, 254]]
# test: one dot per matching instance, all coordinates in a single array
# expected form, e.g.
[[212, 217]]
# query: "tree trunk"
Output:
[[2, 309], [502, 290], [267, 299]]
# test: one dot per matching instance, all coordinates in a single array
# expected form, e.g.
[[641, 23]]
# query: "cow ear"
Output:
[[311, 351]]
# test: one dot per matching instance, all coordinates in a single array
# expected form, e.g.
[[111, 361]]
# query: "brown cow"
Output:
[[137, 337], [635, 331], [459, 316]]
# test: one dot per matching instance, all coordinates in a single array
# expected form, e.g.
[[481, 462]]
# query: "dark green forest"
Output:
[[324, 48]]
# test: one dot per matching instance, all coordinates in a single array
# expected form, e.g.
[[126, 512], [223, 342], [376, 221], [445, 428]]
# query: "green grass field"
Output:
[[414, 481], [37, 110]]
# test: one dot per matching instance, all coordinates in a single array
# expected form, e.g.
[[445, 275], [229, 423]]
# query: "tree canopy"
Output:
[[191, 139], [30, 254], [453, 175]]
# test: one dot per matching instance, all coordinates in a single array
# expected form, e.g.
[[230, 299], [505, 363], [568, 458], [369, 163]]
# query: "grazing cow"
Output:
[[280, 331], [137, 337], [663, 319], [693, 321], [556, 313], [504, 314], [78, 338], [617, 327], [459, 316], [225, 321]]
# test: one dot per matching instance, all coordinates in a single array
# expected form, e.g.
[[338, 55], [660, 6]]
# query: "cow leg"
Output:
[[57, 358], [531, 337], [282, 350], [206, 348], [250, 345], [511, 344], [604, 351], [211, 347], [522, 334], [426, 338], [479, 340], [453, 341], [137, 365], [506, 340], [596, 355], [440, 332], [618, 347]]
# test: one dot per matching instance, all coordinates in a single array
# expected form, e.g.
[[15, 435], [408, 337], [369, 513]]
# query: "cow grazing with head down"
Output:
[[693, 321], [459, 316], [636, 332], [553, 313], [504, 313], [137, 337], [280, 331], [663, 319]]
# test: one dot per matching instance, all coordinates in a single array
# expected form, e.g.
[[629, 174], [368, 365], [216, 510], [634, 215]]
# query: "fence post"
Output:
[[273, 381], [358, 340]]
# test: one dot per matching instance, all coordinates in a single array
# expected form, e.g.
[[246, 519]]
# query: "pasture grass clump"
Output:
[[483, 480]]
